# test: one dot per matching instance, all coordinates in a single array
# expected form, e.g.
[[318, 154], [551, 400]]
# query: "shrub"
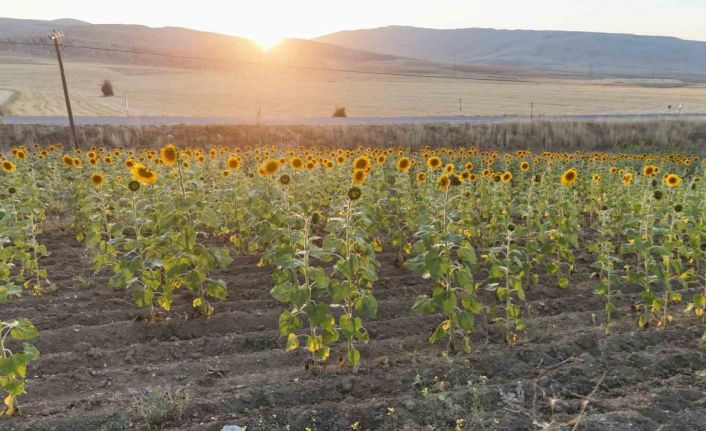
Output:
[[107, 88], [340, 112]]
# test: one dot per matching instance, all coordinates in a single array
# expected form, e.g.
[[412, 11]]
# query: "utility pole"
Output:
[[127, 106], [531, 111], [55, 37], [460, 104]]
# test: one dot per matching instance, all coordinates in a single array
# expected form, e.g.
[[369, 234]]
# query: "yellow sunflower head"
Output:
[[8, 166], [361, 163], [403, 164], [672, 180], [97, 179], [143, 174], [296, 163], [421, 177], [569, 177], [232, 163], [434, 162], [169, 154], [506, 177], [269, 167], [359, 176]]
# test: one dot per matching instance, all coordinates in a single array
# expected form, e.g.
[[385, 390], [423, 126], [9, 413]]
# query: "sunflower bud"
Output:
[[133, 186], [354, 193]]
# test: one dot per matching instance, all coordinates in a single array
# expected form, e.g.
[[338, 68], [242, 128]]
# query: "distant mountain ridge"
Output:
[[169, 40], [625, 54]]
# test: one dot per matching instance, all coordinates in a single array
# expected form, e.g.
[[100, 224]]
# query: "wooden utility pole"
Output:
[[55, 37]]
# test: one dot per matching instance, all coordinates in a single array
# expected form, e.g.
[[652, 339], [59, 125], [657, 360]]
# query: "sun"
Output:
[[267, 43]]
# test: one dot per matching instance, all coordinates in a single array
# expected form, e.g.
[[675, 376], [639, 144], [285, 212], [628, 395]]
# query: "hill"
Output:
[[604, 53]]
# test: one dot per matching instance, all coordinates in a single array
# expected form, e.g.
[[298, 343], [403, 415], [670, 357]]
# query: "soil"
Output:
[[102, 368]]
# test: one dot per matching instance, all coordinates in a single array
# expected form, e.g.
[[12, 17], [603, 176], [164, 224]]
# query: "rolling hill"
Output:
[[170, 40], [604, 53]]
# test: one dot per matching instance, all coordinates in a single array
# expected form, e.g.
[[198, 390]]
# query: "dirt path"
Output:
[[98, 363]]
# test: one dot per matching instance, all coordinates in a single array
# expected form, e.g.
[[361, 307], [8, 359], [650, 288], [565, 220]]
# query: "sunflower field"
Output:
[[481, 231]]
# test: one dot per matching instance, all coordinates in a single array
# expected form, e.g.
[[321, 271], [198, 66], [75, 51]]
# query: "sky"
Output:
[[269, 20]]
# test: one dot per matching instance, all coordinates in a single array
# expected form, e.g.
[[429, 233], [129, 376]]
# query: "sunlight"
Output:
[[268, 42]]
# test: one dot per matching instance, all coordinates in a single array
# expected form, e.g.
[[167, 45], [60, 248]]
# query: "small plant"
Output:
[[340, 112], [13, 366]]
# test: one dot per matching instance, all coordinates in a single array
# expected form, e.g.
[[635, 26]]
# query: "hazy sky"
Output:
[[266, 20]]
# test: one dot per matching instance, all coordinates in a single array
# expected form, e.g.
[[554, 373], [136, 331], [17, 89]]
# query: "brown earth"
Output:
[[101, 367]]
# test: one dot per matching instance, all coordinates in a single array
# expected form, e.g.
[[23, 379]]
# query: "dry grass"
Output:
[[287, 93], [538, 135]]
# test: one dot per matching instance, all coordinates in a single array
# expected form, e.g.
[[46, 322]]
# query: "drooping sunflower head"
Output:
[[133, 186], [169, 154], [672, 180], [354, 193], [569, 177], [403, 164], [359, 176], [444, 182], [434, 162], [97, 179], [143, 174], [8, 166]]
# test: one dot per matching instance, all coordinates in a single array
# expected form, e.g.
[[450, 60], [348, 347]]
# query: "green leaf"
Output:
[[23, 330]]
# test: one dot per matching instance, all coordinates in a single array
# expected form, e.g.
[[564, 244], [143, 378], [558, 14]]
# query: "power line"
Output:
[[259, 63]]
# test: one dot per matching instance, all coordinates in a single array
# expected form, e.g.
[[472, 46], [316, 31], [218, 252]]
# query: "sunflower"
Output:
[[450, 168], [107, 160], [97, 179], [169, 154], [21, 154], [284, 179], [648, 171], [8, 166], [354, 193], [269, 167], [506, 177], [361, 163], [434, 162], [468, 166], [232, 163], [225, 173], [77, 162], [68, 160], [596, 178], [421, 177], [569, 177], [129, 163], [359, 176], [627, 178], [524, 166], [672, 180], [296, 163], [444, 182], [143, 174], [403, 164]]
